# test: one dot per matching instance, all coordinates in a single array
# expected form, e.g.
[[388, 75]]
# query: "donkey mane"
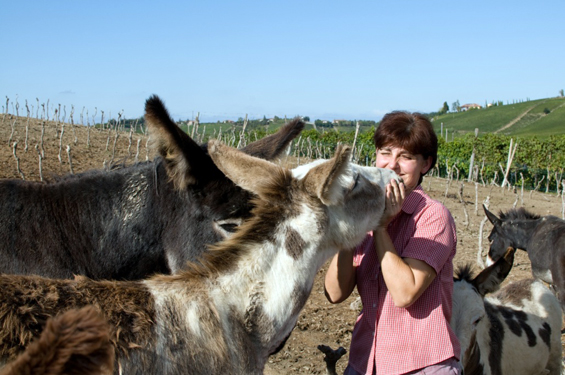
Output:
[[464, 273], [222, 256], [518, 214]]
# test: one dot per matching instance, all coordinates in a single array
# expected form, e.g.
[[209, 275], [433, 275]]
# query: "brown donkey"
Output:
[[227, 313]]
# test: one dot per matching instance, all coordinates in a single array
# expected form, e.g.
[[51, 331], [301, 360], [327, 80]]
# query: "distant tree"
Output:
[[445, 108], [546, 111], [455, 106], [561, 92], [306, 118]]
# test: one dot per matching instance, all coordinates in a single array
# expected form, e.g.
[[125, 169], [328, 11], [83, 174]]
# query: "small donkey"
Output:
[[227, 313], [514, 331]]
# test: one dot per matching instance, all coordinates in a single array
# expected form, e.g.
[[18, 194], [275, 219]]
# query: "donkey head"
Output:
[[202, 205], [505, 233], [346, 199], [468, 297]]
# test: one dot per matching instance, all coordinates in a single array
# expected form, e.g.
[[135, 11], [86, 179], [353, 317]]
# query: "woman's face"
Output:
[[408, 166]]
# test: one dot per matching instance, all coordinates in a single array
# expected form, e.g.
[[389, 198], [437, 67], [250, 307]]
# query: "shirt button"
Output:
[[374, 305]]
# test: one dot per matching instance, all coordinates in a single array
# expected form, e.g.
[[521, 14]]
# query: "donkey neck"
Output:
[[520, 232], [271, 284]]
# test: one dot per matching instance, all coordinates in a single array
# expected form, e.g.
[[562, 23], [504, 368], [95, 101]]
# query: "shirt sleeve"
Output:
[[434, 238]]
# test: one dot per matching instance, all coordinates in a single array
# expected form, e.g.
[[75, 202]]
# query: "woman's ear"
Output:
[[427, 165]]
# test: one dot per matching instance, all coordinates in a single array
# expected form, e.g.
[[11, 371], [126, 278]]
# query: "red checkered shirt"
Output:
[[397, 340]]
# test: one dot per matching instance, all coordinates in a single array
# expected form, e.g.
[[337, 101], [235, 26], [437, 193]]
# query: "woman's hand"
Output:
[[395, 195]]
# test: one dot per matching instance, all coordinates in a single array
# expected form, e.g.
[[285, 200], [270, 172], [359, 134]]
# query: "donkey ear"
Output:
[[492, 217], [323, 181], [186, 162], [272, 146], [490, 278], [248, 172]]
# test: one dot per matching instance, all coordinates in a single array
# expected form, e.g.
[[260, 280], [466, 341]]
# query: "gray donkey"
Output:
[[228, 312], [132, 222]]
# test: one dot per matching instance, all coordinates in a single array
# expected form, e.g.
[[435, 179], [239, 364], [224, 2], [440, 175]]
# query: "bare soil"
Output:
[[320, 322]]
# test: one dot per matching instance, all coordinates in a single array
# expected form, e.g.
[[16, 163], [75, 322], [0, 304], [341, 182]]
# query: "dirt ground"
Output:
[[320, 322]]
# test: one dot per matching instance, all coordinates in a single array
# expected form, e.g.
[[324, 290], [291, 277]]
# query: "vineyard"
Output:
[[37, 145]]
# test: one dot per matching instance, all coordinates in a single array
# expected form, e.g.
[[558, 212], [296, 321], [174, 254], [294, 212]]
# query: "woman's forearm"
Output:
[[406, 279], [340, 278]]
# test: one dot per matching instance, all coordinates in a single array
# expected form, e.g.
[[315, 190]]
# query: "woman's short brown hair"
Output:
[[410, 131]]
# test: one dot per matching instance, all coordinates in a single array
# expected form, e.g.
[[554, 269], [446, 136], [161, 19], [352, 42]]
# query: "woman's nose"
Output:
[[392, 163]]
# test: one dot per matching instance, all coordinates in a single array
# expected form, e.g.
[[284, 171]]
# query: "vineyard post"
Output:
[[57, 117], [473, 157], [480, 260], [42, 137], [355, 139], [137, 152], [12, 134], [130, 140], [73, 123], [61, 141], [548, 176], [14, 149], [241, 135], [460, 193], [101, 122], [195, 125], [511, 151], [40, 162], [87, 130], [70, 160], [27, 129], [537, 186], [476, 198]]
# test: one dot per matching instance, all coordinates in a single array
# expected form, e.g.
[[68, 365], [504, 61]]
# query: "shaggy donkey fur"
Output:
[[514, 331], [131, 222], [227, 313], [74, 343]]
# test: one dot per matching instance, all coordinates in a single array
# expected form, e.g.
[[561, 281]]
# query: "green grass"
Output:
[[492, 119]]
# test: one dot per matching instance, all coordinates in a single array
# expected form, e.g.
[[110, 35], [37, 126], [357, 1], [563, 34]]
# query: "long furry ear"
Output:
[[248, 172], [492, 217], [272, 146], [323, 181], [186, 162], [490, 278]]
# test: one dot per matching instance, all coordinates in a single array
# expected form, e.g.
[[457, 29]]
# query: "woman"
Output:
[[404, 269]]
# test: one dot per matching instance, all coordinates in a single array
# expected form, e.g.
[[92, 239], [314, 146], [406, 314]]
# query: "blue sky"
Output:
[[323, 59]]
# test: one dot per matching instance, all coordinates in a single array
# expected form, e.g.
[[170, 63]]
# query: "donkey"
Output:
[[133, 222], [76, 342], [515, 331], [226, 313], [543, 238]]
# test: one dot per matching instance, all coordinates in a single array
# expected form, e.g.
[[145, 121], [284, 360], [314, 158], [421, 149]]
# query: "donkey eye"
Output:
[[477, 321], [226, 227], [229, 227]]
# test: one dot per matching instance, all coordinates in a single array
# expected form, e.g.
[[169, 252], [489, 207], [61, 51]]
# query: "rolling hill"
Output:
[[541, 118]]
